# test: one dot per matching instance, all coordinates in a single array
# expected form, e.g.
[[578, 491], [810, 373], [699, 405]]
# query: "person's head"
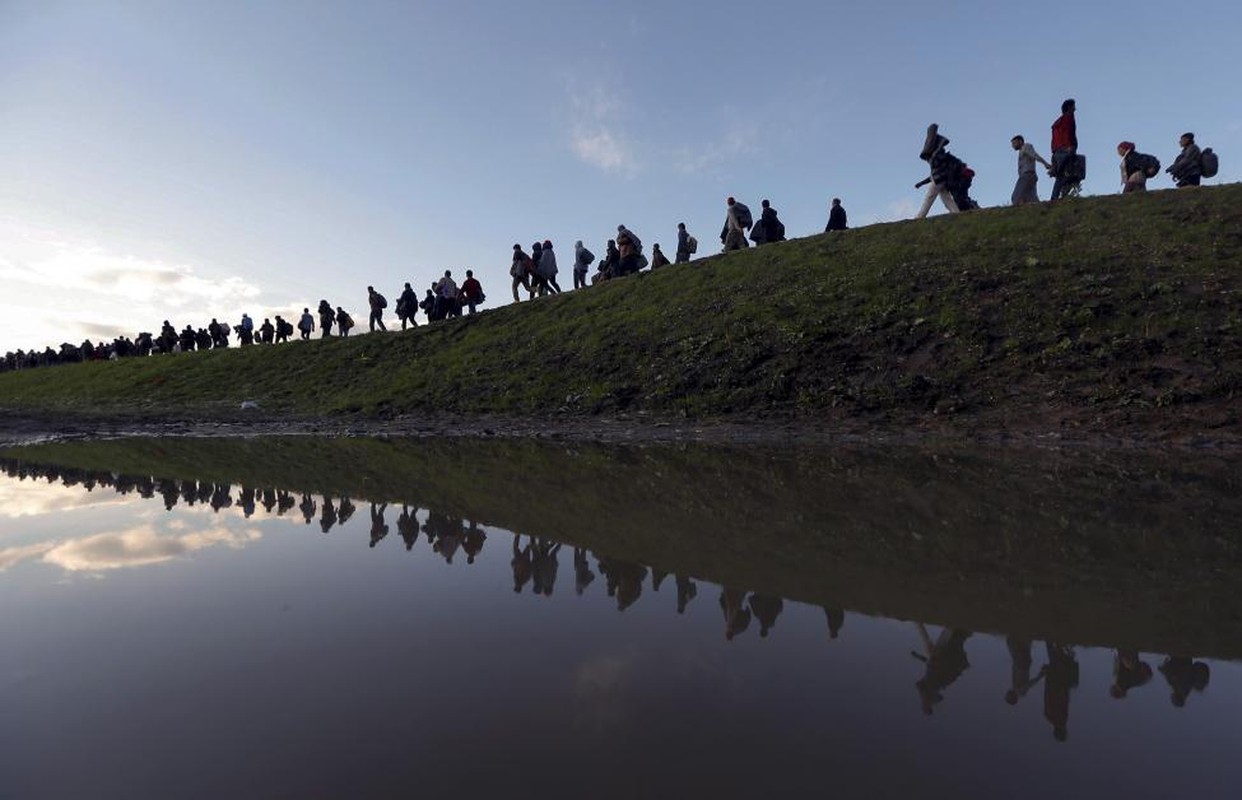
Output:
[[517, 247], [681, 226], [1186, 139], [612, 242], [448, 273], [370, 288], [1060, 733], [469, 273], [1124, 148], [730, 201], [547, 244], [1011, 697], [407, 285], [620, 228], [1017, 142], [1068, 107], [836, 201], [306, 311], [656, 246], [578, 243], [536, 246], [765, 204]]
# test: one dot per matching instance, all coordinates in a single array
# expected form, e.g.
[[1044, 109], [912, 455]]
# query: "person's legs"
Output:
[[1024, 190], [950, 204], [933, 191], [516, 282]]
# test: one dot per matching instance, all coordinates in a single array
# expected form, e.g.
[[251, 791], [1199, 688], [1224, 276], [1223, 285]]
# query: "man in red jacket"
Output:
[[1064, 149]]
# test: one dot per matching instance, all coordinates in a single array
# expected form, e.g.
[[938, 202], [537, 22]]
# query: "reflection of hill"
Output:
[[1078, 547]]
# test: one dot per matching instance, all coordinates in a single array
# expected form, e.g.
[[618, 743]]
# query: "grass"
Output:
[[1124, 303]]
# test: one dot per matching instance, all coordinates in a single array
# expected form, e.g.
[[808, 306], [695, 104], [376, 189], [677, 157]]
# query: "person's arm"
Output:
[[922, 183], [1030, 150]]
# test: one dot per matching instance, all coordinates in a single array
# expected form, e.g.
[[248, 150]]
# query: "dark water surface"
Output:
[[364, 618]]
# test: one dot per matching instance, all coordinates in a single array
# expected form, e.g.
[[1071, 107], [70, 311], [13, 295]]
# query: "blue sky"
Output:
[[187, 160]]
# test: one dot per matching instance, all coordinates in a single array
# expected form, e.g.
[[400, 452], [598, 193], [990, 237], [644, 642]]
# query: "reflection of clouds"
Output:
[[599, 689], [133, 548], [12, 556], [26, 499]]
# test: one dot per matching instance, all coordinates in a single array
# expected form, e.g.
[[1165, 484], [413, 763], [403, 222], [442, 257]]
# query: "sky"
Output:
[[184, 161]]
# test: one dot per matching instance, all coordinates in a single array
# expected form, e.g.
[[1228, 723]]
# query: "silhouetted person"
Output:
[[407, 527], [267, 331], [344, 510], [1129, 672], [245, 499], [328, 518], [623, 580], [766, 609], [1020, 681], [344, 322], [836, 217], [1060, 677], [583, 576], [945, 661], [545, 565], [377, 303], [306, 324], [283, 330], [407, 306], [836, 620], [220, 497], [379, 528], [737, 617], [472, 542], [686, 591], [1184, 676], [657, 578], [307, 507], [521, 563], [449, 539], [284, 502], [327, 318]]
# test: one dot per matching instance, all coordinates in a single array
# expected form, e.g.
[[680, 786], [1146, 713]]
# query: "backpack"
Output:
[[1075, 169], [380, 300], [743, 216], [692, 245], [587, 257], [1209, 164], [780, 231], [1149, 165]]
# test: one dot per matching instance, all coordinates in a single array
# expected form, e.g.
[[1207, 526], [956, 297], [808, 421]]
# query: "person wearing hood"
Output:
[[547, 269], [940, 162], [582, 263], [770, 228], [1133, 176]]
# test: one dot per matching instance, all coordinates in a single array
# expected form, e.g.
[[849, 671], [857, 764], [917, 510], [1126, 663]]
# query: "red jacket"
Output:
[[1065, 133], [471, 288]]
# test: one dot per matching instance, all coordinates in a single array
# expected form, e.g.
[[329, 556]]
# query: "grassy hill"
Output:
[[1121, 308]]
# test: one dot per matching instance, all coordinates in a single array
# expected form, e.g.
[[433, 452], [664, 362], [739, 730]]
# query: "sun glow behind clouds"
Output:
[[86, 291]]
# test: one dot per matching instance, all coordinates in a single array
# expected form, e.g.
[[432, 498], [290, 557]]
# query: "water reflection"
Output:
[[757, 580]]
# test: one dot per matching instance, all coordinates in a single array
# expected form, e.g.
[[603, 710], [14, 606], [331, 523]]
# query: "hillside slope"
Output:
[[1123, 308]]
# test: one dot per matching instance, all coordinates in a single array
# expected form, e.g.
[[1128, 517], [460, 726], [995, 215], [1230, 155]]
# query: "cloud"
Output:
[[29, 499], [137, 547], [596, 134], [739, 141], [76, 289]]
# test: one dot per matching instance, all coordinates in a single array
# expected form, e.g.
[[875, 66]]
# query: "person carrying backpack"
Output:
[[943, 165], [737, 221], [1136, 168], [686, 245], [407, 306], [343, 321], [769, 229], [582, 263], [521, 269], [378, 303], [327, 318], [1187, 168], [471, 291]]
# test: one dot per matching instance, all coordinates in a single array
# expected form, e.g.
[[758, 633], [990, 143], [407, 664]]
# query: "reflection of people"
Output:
[[407, 527], [737, 618], [1060, 676], [945, 661], [1184, 676], [766, 609], [545, 565], [520, 563], [307, 507], [344, 510], [328, 518], [1129, 672], [836, 619], [245, 499], [379, 528], [687, 590], [657, 578], [1020, 681], [449, 539], [583, 576], [473, 541], [624, 580]]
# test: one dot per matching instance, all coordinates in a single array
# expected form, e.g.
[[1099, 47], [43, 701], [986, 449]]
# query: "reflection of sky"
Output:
[[19, 499], [307, 664]]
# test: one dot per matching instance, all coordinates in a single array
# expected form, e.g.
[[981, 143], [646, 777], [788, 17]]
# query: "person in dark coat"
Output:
[[836, 216]]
